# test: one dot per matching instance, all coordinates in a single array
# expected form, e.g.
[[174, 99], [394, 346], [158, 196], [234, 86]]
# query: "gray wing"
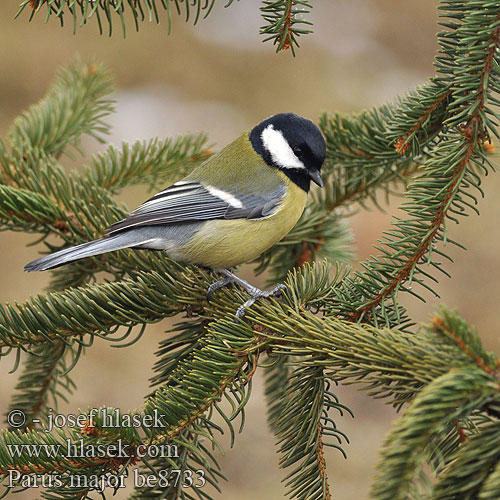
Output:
[[193, 201]]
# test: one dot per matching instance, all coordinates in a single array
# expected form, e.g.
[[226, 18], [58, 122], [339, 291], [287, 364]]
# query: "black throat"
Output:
[[298, 177]]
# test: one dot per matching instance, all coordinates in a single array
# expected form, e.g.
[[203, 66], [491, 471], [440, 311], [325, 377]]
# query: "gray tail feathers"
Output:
[[89, 249]]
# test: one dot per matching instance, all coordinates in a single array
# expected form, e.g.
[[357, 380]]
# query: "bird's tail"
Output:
[[89, 249]]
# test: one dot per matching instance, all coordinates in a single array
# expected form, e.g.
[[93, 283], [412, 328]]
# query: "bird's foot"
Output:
[[255, 293], [258, 294]]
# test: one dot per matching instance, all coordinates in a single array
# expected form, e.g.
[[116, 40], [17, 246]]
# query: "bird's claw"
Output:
[[215, 286], [260, 294], [278, 290]]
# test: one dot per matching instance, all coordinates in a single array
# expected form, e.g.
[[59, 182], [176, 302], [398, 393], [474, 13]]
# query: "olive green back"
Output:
[[237, 168]]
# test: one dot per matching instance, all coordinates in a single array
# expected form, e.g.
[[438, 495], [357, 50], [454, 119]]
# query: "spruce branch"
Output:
[[285, 22], [364, 150], [186, 337], [446, 399], [219, 361], [148, 162], [442, 188], [419, 117], [460, 332], [24, 210], [134, 301], [233, 384], [43, 383], [476, 69], [452, 168], [490, 489], [277, 374], [361, 157], [284, 19], [203, 384], [225, 330], [40, 136], [301, 427], [188, 460], [471, 465], [401, 259], [75, 105], [82, 11], [388, 363], [57, 203], [202, 378]]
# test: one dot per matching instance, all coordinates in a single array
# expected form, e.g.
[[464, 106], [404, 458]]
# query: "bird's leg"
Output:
[[256, 293]]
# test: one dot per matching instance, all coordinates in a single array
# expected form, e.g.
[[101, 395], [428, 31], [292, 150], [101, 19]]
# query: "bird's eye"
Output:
[[298, 151]]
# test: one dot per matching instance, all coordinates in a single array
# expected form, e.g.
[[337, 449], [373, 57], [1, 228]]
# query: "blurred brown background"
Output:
[[218, 77]]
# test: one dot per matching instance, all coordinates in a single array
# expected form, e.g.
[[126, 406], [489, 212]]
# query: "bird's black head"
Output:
[[292, 144]]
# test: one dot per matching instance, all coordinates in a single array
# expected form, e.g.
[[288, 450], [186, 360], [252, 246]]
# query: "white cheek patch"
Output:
[[224, 195], [279, 149]]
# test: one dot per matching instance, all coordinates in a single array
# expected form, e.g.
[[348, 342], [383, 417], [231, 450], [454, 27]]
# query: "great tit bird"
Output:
[[229, 210]]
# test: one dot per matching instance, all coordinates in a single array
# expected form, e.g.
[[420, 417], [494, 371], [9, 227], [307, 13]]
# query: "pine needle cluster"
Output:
[[284, 20]]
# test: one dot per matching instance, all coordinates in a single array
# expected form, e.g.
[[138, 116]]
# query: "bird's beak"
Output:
[[316, 177]]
